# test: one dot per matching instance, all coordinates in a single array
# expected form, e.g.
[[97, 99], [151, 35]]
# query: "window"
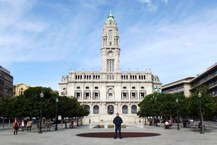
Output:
[[142, 87], [142, 94], [87, 95], [125, 109], [110, 65], [78, 95], [96, 109], [134, 109], [124, 95], [133, 87], [96, 88], [110, 94], [87, 87], [78, 87], [96, 95], [110, 34], [110, 109], [124, 87], [133, 95]]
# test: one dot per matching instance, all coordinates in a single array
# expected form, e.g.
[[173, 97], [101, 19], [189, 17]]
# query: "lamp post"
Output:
[[41, 96], [201, 114], [156, 111], [57, 100], [177, 101]]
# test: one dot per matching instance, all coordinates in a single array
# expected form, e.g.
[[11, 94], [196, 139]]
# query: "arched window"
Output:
[[133, 109], [96, 109], [110, 109], [110, 94], [125, 109]]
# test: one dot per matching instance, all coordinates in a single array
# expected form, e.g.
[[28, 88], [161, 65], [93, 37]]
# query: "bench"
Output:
[[47, 126], [196, 127]]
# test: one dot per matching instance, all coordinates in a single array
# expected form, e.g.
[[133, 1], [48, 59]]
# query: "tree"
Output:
[[208, 104], [159, 104], [28, 105]]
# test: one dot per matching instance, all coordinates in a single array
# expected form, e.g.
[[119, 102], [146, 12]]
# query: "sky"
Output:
[[42, 40]]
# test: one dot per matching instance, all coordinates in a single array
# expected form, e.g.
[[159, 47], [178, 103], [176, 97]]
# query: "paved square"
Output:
[[185, 136]]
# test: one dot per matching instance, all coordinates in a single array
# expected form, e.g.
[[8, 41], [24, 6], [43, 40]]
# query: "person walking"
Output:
[[15, 126], [29, 125], [117, 121], [22, 125]]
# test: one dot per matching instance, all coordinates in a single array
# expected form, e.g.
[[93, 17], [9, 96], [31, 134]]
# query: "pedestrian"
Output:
[[71, 124], [166, 124], [15, 126], [117, 121], [29, 125], [22, 125]]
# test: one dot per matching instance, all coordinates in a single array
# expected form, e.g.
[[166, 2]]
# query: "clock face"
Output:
[[110, 54]]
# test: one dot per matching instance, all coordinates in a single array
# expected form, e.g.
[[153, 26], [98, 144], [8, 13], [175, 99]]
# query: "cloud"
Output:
[[18, 30], [177, 47], [167, 41], [152, 5], [31, 35]]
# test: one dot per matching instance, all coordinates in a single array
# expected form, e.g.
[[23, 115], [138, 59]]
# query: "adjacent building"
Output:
[[207, 78], [6, 83], [20, 88], [110, 90], [187, 86], [181, 86]]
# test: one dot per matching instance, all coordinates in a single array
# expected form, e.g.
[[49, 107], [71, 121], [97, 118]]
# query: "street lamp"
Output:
[[41, 96], [177, 101], [57, 100], [156, 111], [201, 114]]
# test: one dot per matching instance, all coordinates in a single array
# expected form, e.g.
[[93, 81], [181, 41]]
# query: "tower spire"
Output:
[[110, 49], [110, 13]]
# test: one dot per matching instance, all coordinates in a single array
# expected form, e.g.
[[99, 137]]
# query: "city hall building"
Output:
[[110, 90]]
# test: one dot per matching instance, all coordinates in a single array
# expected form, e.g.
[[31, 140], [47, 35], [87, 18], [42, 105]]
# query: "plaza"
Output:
[[172, 136]]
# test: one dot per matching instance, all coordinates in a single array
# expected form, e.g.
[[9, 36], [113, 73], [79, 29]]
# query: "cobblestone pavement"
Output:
[[184, 136]]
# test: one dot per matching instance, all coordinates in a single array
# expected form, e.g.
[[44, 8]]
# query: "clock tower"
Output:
[[110, 50], [110, 90]]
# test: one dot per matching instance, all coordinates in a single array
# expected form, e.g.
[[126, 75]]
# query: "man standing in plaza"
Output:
[[117, 121]]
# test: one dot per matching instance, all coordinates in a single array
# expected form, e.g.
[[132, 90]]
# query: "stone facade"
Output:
[[110, 91]]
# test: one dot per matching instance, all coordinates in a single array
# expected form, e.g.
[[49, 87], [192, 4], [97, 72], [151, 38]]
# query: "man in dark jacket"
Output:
[[117, 121]]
